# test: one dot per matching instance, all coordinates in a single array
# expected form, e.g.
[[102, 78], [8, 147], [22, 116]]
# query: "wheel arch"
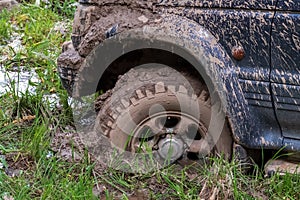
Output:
[[185, 39]]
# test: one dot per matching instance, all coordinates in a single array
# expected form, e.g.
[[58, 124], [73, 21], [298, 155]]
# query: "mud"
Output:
[[113, 21], [130, 3], [93, 24], [67, 145], [7, 4], [16, 163]]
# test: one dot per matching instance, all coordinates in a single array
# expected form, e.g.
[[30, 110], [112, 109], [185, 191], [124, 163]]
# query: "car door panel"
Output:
[[285, 48], [287, 105], [285, 62]]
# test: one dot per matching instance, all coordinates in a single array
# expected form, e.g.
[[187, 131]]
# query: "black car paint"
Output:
[[269, 75], [285, 65]]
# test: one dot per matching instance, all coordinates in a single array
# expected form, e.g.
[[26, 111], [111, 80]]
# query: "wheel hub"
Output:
[[169, 135], [170, 148]]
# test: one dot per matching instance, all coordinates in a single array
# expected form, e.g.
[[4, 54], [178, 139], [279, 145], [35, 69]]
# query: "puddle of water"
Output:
[[14, 45], [23, 81], [17, 81]]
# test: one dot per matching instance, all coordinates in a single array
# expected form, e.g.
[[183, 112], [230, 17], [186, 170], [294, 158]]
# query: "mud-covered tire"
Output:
[[141, 89]]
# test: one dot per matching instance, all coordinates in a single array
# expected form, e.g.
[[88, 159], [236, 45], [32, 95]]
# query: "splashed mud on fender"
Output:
[[100, 21]]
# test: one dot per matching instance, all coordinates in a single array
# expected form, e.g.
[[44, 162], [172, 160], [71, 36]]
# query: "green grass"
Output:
[[43, 174]]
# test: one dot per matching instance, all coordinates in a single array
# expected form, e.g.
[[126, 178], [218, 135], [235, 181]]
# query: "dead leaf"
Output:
[[27, 118]]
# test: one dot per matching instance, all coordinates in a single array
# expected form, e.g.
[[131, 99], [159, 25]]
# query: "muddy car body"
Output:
[[245, 52]]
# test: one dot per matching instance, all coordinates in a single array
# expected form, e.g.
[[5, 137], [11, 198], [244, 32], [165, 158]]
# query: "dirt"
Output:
[[18, 162], [8, 4], [101, 99], [64, 145], [67, 145]]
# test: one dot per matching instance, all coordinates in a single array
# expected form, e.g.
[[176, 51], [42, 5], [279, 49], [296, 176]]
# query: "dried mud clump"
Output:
[[7, 4], [96, 21]]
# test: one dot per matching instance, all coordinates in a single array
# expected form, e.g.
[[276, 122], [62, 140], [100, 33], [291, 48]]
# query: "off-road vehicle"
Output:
[[191, 76]]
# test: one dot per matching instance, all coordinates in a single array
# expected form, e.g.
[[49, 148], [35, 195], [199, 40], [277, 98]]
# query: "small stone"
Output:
[[13, 172], [158, 20], [8, 197], [143, 19], [49, 154]]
